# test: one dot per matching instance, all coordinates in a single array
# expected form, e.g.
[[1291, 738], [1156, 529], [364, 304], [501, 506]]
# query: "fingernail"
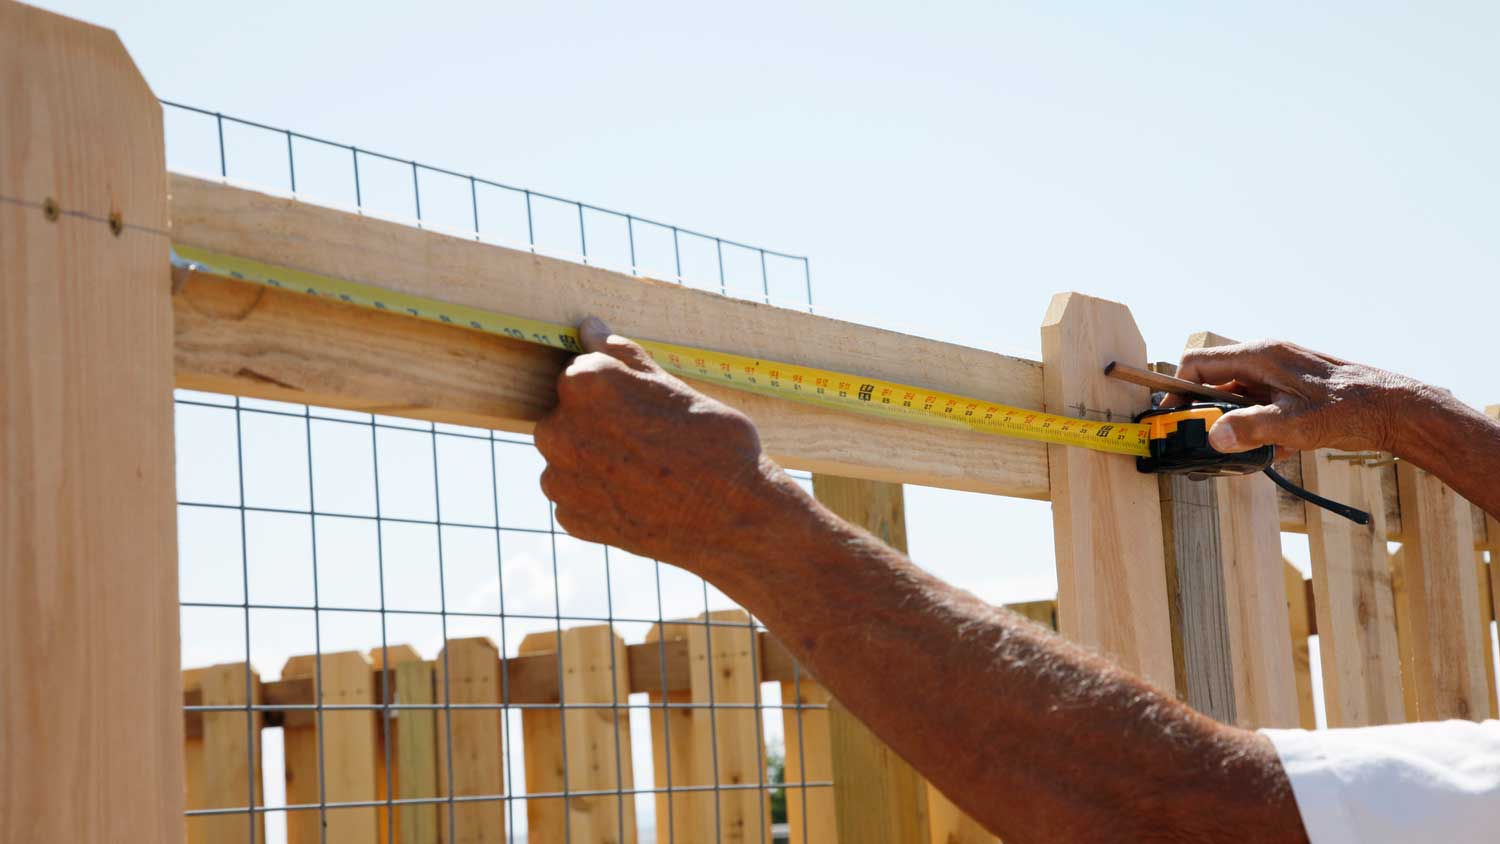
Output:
[[594, 324], [1222, 438]]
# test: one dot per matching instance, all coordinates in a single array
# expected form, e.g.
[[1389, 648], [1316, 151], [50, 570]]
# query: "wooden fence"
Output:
[[1180, 583], [702, 678]]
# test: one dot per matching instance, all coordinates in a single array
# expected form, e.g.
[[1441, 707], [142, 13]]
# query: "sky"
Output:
[[1325, 175]]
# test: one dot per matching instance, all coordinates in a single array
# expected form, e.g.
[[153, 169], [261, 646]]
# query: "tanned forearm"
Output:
[[1036, 738], [1451, 440]]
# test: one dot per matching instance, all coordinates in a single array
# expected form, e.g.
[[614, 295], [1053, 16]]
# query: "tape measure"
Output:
[[837, 390]]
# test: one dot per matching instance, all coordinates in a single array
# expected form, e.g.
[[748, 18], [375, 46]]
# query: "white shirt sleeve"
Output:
[[1436, 781]]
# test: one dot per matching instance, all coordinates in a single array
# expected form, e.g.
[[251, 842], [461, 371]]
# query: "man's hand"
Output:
[[1309, 400], [639, 460]]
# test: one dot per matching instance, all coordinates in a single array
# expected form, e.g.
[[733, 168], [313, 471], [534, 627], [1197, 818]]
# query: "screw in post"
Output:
[[116, 223], [50, 209]]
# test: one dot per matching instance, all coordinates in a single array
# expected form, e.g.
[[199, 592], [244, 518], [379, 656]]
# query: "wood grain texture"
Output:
[[1297, 616], [1195, 588], [346, 744], [88, 545], [581, 749], [224, 759], [810, 813], [220, 349], [1443, 596], [472, 669], [674, 753], [415, 753], [724, 671], [1260, 648], [878, 797], [542, 746], [1106, 516], [1356, 609], [947, 824]]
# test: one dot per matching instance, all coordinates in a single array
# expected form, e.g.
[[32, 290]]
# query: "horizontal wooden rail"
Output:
[[1294, 515], [260, 343], [530, 679]]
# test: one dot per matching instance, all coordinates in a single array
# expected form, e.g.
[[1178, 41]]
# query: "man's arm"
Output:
[[1036, 738], [1312, 400]]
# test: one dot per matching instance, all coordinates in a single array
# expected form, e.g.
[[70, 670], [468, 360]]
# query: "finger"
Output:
[[1246, 363], [1247, 428], [596, 337], [577, 524], [552, 440]]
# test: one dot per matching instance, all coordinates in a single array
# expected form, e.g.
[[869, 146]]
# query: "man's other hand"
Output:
[[1306, 399], [639, 460]]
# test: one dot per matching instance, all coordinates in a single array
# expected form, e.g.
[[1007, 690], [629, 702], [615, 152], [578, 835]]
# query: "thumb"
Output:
[[595, 336], [1246, 428]]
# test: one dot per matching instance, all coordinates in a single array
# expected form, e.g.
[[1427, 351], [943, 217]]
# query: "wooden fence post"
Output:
[[1111, 565], [590, 761], [724, 664], [92, 688], [1442, 593], [879, 798], [413, 736], [679, 814], [219, 772], [810, 811], [347, 746], [1260, 652], [468, 672], [1297, 614], [1355, 605]]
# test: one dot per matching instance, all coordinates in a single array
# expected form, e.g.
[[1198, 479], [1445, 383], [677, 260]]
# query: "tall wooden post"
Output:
[[880, 798], [1111, 566], [91, 692], [1356, 606], [1442, 591], [1259, 633]]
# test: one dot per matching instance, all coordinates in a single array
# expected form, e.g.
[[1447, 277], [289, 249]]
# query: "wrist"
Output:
[[767, 511], [1418, 414]]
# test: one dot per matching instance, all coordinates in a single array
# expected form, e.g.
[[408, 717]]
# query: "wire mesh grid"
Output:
[[313, 540]]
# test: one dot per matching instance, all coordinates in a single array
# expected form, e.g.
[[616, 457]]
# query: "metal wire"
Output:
[[385, 469]]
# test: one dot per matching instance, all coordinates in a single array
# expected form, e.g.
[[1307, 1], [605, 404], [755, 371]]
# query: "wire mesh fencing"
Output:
[[386, 637]]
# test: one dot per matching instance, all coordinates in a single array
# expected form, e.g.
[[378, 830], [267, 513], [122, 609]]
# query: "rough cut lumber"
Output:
[[542, 743], [1294, 515], [342, 757], [1492, 524], [1195, 591], [220, 758], [414, 736], [91, 688], [473, 736], [673, 752], [1443, 595], [1356, 609], [1297, 615], [1260, 648], [878, 797], [1106, 516], [233, 348], [727, 742], [597, 755], [810, 813]]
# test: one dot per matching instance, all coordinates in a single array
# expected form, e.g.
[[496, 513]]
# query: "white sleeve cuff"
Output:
[[1436, 781]]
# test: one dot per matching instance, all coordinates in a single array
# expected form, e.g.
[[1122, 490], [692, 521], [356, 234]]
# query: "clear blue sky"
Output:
[[1326, 175]]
